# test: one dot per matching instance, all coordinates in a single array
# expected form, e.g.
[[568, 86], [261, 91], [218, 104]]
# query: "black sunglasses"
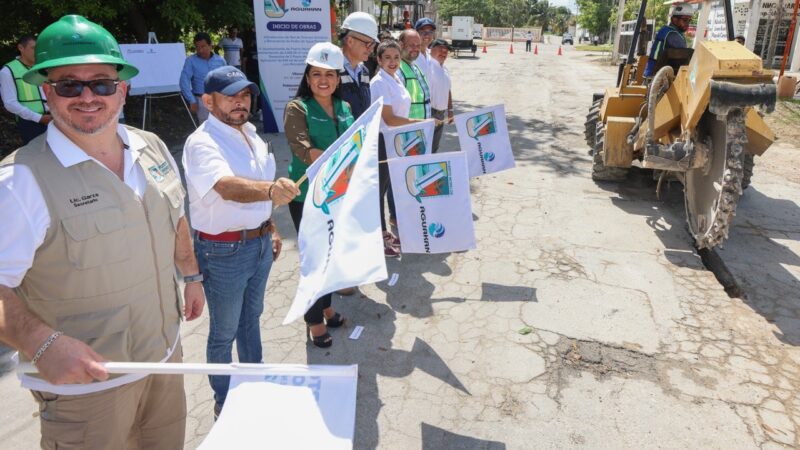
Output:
[[368, 44], [74, 88]]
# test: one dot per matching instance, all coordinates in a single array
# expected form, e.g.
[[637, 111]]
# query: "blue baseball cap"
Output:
[[228, 80], [423, 22]]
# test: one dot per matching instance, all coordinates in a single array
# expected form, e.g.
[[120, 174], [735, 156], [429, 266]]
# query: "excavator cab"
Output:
[[699, 120]]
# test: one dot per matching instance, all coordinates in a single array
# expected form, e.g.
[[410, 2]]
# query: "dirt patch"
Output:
[[785, 121]]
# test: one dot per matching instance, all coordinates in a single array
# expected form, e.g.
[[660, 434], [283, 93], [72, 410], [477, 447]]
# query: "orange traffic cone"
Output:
[[536, 50], [511, 49], [484, 48], [559, 50]]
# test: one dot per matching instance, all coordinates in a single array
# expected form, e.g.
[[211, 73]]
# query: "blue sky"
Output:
[[571, 4]]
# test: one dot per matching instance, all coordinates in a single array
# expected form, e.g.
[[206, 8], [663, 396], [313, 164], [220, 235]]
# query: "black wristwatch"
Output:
[[193, 278]]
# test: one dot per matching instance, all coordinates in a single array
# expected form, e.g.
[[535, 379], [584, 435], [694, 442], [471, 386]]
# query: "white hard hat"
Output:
[[326, 56], [363, 23], [681, 9]]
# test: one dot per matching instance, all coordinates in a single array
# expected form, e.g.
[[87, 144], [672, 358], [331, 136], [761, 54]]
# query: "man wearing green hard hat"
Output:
[[94, 233]]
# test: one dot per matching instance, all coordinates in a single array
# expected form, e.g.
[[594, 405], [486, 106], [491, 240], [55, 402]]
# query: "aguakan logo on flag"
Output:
[[483, 135], [409, 140], [429, 180], [481, 125], [411, 143], [434, 213], [332, 180], [275, 8]]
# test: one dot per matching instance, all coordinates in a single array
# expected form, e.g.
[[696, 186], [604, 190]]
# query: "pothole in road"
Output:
[[575, 357]]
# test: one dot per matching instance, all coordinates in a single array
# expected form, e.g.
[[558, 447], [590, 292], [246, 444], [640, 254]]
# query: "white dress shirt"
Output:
[[424, 61], [394, 94], [24, 231], [440, 83], [216, 150], [8, 90]]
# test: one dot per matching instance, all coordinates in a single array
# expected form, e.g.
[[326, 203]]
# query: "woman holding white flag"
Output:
[[313, 121], [396, 108]]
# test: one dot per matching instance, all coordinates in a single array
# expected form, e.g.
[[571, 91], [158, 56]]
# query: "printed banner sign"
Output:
[[317, 410], [340, 239], [432, 201], [285, 31], [483, 135], [409, 140]]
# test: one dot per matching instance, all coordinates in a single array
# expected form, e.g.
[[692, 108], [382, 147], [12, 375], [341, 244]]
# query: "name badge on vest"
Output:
[[160, 171]]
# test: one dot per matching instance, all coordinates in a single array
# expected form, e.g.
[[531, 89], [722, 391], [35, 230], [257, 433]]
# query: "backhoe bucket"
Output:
[[726, 95]]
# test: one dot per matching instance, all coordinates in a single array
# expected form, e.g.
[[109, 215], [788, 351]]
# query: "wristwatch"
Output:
[[193, 278]]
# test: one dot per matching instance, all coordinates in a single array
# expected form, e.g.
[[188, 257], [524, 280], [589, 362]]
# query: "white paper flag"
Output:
[[432, 200], [483, 135], [340, 239], [409, 140], [317, 410]]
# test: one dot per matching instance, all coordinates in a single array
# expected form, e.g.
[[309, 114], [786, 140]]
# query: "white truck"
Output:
[[461, 34]]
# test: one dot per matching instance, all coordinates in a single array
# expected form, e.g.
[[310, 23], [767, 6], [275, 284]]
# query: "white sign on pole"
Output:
[[340, 239], [313, 410], [409, 140], [432, 202], [159, 67], [483, 135], [285, 31]]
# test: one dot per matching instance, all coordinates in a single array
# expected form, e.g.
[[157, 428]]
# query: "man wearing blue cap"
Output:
[[427, 32], [230, 174]]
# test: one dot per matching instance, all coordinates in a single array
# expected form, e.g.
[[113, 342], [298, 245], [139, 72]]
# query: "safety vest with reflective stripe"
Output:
[[28, 95], [417, 87], [660, 44]]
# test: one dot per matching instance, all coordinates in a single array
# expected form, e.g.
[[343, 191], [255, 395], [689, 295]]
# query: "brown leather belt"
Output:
[[238, 236]]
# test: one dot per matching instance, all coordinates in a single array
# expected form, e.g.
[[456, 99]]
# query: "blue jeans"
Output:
[[235, 280]]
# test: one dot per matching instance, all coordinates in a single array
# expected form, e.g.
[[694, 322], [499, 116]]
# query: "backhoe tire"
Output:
[[749, 165], [590, 126], [599, 170]]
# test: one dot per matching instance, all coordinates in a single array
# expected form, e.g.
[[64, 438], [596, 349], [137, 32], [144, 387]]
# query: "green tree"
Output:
[[128, 20], [594, 15]]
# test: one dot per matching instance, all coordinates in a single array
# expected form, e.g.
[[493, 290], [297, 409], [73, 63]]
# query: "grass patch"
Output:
[[594, 48]]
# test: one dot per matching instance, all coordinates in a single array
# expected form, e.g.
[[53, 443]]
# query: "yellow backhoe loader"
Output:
[[698, 120]]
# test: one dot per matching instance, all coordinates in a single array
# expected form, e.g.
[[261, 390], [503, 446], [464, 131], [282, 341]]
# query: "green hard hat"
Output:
[[73, 40]]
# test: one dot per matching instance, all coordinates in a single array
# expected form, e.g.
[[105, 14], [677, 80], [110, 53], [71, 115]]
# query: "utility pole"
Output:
[[615, 50], [773, 38]]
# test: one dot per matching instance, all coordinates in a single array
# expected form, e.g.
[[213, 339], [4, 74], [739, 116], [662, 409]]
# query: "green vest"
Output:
[[322, 131], [28, 95], [417, 87]]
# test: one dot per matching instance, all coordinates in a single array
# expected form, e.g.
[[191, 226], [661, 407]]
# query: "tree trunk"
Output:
[[773, 38], [138, 23]]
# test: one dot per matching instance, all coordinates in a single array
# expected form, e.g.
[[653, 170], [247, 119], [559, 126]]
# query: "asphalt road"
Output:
[[583, 319]]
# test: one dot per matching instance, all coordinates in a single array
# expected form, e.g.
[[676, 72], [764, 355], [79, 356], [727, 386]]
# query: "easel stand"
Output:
[[148, 102]]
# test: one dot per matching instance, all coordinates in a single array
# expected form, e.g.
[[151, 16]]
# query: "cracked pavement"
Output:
[[583, 319]]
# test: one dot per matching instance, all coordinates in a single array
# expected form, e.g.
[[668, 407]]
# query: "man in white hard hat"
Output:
[[358, 37], [670, 35]]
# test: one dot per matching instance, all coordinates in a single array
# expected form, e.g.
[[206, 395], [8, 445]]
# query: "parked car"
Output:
[[567, 39]]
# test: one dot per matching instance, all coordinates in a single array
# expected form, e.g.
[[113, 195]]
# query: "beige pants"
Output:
[[147, 414]]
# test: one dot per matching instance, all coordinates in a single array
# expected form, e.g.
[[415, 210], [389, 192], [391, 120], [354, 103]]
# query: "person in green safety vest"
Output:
[[414, 77], [312, 122], [24, 100]]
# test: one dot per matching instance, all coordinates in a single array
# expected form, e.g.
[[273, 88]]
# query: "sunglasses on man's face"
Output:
[[74, 88], [370, 44]]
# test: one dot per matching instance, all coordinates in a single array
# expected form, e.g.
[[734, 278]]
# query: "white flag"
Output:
[[340, 239], [483, 135], [432, 201], [409, 140], [314, 410]]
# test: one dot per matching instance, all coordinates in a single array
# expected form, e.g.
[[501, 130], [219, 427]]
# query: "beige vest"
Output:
[[105, 272]]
